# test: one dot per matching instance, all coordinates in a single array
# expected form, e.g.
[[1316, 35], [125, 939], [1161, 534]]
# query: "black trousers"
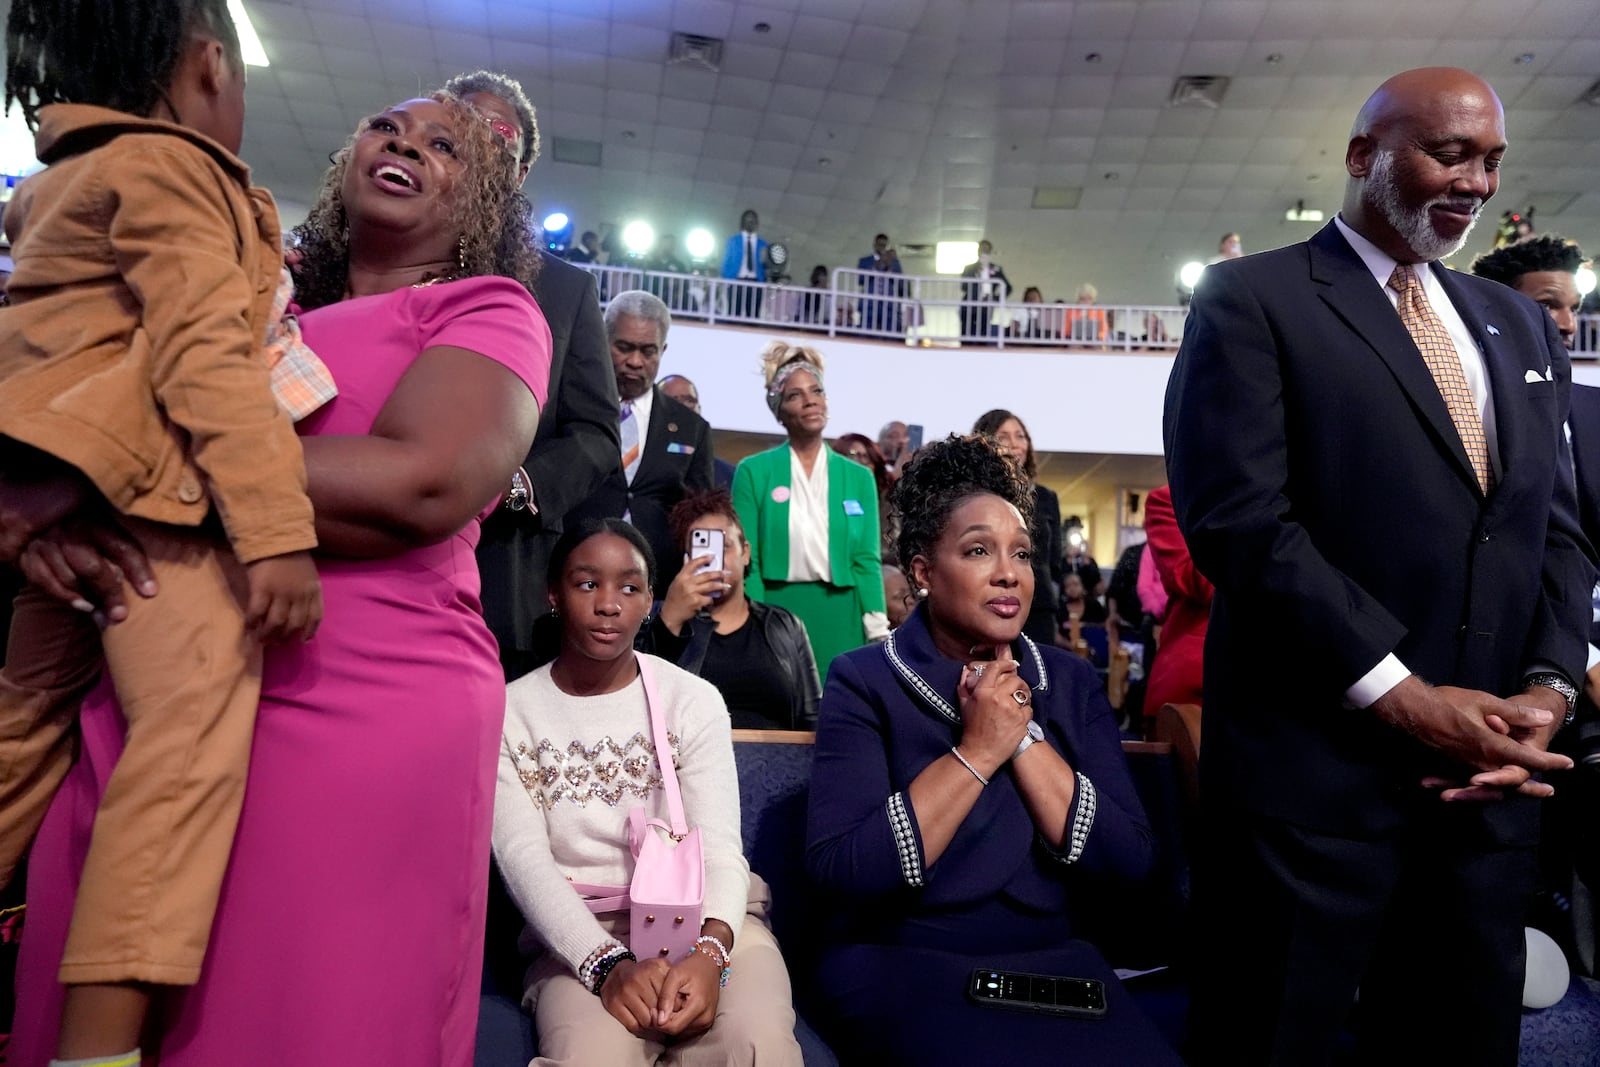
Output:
[[744, 299], [1291, 923]]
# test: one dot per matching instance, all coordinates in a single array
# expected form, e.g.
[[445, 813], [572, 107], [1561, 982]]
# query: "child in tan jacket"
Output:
[[147, 268]]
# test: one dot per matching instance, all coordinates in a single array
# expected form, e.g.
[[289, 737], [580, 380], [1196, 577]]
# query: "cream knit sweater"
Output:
[[570, 770]]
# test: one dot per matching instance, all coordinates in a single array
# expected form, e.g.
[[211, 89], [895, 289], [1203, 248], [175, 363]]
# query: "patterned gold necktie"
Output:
[[1444, 363]]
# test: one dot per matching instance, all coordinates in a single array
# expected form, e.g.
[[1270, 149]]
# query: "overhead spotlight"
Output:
[[638, 237], [1189, 274], [558, 231], [1301, 213], [250, 49], [1585, 279], [700, 243]]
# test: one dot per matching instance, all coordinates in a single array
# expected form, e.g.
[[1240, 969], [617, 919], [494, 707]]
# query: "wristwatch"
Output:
[[1552, 680], [1035, 733]]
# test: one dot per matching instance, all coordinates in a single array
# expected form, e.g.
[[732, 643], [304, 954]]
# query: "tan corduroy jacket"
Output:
[[131, 348]]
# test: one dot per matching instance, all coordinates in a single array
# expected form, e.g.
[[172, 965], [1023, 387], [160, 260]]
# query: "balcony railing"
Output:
[[923, 310]]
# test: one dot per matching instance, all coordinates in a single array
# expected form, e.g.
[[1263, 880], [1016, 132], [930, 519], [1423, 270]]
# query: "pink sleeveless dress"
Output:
[[350, 926]]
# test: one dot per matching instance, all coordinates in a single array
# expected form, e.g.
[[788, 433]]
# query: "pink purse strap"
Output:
[[658, 731]]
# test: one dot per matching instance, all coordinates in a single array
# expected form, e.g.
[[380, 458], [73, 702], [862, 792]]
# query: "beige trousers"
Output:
[[188, 678], [754, 1025]]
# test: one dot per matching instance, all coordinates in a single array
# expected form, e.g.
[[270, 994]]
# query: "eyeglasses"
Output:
[[858, 455]]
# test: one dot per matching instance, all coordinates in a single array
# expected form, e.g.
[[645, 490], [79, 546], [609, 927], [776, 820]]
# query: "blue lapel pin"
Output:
[[1492, 331]]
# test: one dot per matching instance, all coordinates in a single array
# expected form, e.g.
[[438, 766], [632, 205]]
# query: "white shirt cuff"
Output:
[[875, 625], [1594, 658], [1389, 673]]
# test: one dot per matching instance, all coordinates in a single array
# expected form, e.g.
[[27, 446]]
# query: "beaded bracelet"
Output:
[[722, 979], [601, 962], [723, 949]]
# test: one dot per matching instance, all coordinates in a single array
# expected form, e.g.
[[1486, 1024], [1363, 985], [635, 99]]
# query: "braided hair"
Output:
[[120, 54]]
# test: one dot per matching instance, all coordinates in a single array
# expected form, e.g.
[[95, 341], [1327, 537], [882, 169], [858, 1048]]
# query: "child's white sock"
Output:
[[123, 1059]]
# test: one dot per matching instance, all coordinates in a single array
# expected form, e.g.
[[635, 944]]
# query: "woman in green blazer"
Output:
[[811, 516]]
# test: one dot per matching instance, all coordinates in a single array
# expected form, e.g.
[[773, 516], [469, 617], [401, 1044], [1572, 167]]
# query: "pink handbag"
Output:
[[667, 895]]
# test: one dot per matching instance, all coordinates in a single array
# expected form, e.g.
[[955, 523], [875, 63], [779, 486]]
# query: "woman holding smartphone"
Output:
[[757, 655], [968, 788]]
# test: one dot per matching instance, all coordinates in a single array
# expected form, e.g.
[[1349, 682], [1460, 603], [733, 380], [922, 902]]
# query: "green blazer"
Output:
[[853, 537]]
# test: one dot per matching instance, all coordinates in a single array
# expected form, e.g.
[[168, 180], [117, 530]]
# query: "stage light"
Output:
[[950, 257], [1585, 280], [778, 254], [700, 243], [556, 221], [638, 237], [249, 44], [1189, 274]]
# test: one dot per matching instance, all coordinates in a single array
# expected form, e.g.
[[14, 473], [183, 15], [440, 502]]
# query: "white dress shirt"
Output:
[[1390, 672], [749, 257], [808, 520]]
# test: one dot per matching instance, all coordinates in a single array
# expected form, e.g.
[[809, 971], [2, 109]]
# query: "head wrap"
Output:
[[785, 372]]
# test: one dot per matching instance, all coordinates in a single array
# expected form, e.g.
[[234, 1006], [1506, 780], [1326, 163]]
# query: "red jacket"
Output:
[[1175, 675]]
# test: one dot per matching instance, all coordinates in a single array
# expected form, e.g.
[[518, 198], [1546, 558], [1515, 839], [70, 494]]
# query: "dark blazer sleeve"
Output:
[[1559, 634], [1228, 468], [583, 444], [854, 842], [1117, 840], [702, 473]]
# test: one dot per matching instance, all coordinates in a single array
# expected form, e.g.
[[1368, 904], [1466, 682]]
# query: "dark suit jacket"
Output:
[[1323, 488], [1585, 424], [575, 450], [676, 457], [974, 289]]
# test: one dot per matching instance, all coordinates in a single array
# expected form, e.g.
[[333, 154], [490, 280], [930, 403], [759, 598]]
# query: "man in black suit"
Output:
[[666, 448], [1365, 533], [575, 449], [687, 393], [980, 289]]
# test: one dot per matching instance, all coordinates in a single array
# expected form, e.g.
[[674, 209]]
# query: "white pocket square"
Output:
[[1534, 376]]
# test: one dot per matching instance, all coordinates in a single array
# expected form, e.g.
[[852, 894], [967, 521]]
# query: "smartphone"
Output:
[[913, 438], [1080, 998], [704, 542]]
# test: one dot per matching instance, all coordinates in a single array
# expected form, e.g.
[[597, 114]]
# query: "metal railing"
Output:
[[919, 309], [906, 308]]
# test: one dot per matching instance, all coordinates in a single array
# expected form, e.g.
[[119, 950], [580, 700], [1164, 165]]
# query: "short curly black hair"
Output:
[[1531, 254], [943, 475]]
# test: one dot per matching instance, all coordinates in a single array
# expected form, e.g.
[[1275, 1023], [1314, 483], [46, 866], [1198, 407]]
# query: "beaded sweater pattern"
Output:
[[606, 771]]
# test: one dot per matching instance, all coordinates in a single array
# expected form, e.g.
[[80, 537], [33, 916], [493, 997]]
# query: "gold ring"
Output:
[[1021, 696]]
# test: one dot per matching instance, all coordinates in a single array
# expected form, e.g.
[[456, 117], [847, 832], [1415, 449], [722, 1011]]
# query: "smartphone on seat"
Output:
[[706, 542], [1078, 998]]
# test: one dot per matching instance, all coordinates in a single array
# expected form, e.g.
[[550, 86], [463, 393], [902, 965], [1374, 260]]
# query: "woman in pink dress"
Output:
[[350, 926]]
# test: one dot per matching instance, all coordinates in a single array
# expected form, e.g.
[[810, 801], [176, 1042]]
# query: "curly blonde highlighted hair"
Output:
[[779, 354], [493, 217]]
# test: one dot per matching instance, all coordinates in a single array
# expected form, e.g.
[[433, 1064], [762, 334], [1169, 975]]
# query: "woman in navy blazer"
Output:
[[968, 785]]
